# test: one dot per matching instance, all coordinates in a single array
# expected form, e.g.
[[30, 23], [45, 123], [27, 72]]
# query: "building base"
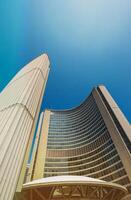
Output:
[[71, 187]]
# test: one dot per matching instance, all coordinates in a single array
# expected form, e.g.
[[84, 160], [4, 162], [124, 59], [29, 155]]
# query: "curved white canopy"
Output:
[[58, 180], [71, 187]]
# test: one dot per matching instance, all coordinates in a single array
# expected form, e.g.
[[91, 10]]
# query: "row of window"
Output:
[[114, 175], [74, 144], [88, 146], [84, 123], [86, 168], [69, 141], [94, 173], [123, 181], [79, 138], [93, 126], [83, 120], [87, 112], [87, 117], [82, 163], [80, 153], [77, 135], [79, 122], [71, 161], [89, 101]]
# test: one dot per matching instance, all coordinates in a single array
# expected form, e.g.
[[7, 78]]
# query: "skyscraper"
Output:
[[20, 104], [92, 140]]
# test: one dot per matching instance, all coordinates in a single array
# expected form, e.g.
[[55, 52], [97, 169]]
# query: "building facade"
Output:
[[92, 140], [20, 103]]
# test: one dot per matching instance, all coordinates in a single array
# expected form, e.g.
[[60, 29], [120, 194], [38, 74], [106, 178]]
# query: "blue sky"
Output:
[[88, 43]]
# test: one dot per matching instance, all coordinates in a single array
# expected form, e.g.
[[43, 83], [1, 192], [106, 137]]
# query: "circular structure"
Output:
[[72, 187]]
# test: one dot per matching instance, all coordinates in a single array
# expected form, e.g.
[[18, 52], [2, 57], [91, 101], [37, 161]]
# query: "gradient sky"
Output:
[[88, 43]]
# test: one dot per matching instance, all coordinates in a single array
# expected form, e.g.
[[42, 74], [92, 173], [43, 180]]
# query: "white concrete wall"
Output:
[[19, 106]]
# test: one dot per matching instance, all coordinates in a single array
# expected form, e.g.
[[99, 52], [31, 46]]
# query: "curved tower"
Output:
[[93, 140], [20, 104]]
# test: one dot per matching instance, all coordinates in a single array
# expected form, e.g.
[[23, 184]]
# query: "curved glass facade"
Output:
[[80, 142]]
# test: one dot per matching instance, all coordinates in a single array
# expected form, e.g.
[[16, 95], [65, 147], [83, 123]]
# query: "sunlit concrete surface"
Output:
[[20, 103]]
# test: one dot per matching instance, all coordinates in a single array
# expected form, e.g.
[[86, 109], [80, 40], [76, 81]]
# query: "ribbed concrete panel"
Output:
[[19, 107]]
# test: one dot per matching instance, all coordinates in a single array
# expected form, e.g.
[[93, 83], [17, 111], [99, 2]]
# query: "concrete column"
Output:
[[20, 103], [42, 147]]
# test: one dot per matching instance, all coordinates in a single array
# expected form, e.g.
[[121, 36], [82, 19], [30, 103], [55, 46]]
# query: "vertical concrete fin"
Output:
[[112, 128], [42, 147]]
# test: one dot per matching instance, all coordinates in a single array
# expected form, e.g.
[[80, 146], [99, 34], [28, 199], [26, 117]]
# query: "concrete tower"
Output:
[[20, 104]]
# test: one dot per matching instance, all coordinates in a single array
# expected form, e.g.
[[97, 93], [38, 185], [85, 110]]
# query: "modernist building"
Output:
[[92, 140], [20, 104], [82, 153]]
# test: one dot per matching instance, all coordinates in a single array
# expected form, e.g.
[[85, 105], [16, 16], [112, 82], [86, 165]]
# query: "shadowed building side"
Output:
[[20, 103], [93, 140]]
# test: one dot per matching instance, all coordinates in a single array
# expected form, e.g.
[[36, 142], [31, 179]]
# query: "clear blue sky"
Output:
[[88, 42]]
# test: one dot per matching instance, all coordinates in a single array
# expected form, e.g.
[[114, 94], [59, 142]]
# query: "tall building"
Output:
[[20, 103], [81, 153]]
